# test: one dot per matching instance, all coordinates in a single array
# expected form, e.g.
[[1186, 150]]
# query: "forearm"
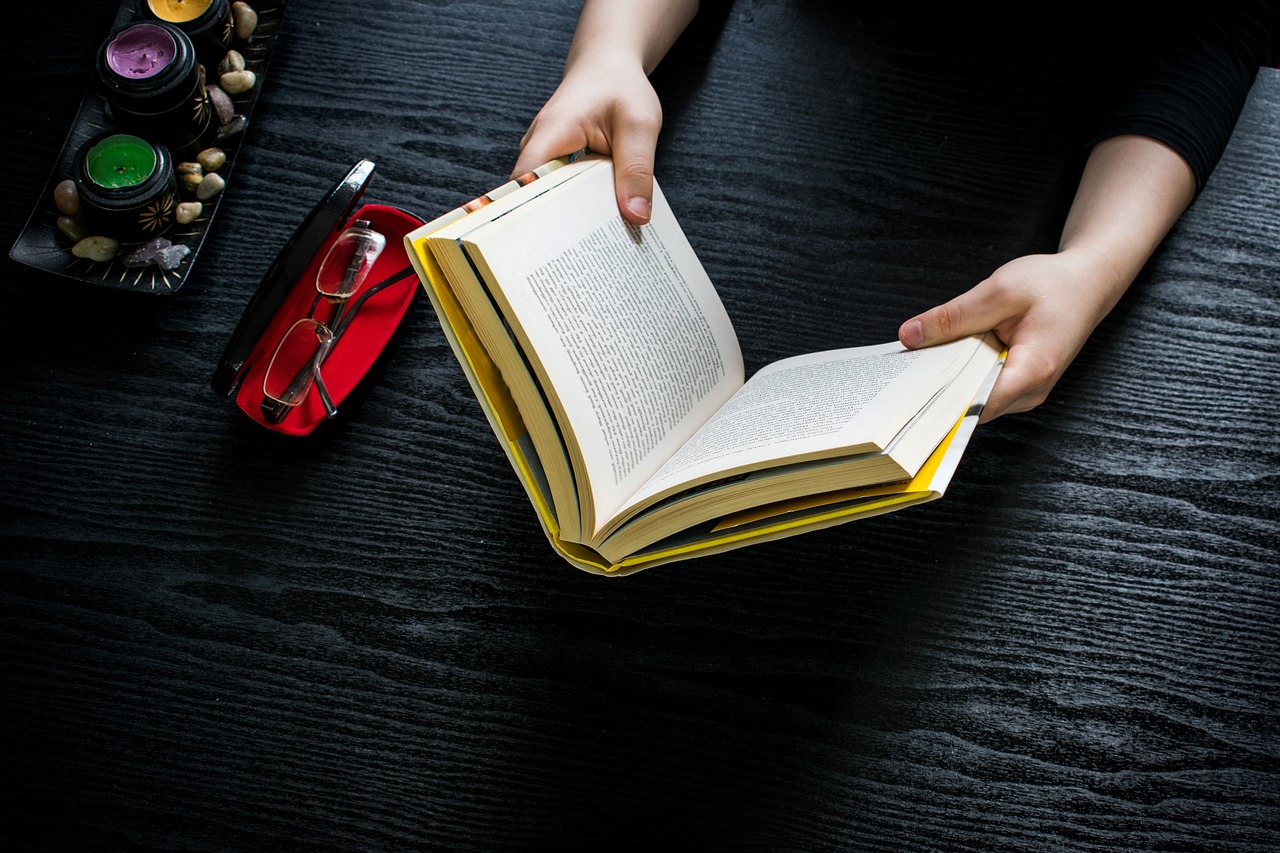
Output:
[[1131, 193], [629, 30]]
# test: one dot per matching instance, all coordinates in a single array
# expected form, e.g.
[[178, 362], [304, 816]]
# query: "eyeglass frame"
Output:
[[274, 410]]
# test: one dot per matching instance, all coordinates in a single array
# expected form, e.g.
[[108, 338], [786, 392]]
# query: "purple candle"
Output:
[[154, 82], [140, 51]]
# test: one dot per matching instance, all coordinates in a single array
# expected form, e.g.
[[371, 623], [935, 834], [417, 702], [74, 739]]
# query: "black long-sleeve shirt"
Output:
[[1180, 75], [1188, 76]]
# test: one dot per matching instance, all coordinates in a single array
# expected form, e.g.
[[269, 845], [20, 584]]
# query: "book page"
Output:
[[626, 332], [847, 401]]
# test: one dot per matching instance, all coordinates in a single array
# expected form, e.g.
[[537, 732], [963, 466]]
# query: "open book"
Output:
[[610, 373]]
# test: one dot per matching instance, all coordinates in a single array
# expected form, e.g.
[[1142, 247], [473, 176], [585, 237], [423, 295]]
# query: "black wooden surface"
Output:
[[214, 638]]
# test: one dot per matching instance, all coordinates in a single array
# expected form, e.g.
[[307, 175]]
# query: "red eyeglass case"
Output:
[[288, 291]]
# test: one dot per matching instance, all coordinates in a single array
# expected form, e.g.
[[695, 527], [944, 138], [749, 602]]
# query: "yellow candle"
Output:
[[178, 11]]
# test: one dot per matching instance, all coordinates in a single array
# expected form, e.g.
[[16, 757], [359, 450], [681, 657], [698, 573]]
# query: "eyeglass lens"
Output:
[[293, 365], [349, 260]]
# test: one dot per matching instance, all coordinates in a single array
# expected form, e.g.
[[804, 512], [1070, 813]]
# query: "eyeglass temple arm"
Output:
[[345, 313], [348, 310], [275, 411], [329, 408]]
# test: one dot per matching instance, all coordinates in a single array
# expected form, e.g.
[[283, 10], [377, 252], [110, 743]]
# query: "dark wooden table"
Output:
[[215, 638]]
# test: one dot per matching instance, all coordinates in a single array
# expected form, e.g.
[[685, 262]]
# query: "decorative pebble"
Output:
[[237, 82], [222, 105], [237, 124], [190, 174], [159, 251], [67, 197], [210, 186], [97, 248], [212, 159], [245, 18], [73, 229], [171, 258], [188, 212], [232, 61]]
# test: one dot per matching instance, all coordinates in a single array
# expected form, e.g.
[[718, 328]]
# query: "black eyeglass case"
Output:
[[287, 292]]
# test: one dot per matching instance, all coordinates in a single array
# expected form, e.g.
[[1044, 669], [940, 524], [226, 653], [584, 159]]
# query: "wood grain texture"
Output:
[[217, 639]]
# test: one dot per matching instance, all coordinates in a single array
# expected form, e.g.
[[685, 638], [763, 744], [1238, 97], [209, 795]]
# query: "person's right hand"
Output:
[[609, 107]]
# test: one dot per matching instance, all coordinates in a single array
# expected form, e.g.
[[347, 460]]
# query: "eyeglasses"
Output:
[[295, 364]]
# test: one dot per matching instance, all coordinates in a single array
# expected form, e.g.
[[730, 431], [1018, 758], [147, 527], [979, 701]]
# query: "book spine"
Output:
[[515, 184]]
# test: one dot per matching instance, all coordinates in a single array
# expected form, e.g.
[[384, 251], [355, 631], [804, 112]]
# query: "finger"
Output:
[[544, 142], [1024, 383], [634, 142]]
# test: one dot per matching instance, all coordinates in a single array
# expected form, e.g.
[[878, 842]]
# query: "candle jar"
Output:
[[208, 23], [128, 189], [155, 86]]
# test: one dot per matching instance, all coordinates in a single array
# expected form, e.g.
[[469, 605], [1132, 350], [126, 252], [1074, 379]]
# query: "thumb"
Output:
[[633, 154], [971, 313]]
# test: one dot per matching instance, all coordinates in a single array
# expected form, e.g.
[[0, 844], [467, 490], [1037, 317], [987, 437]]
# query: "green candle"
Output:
[[120, 161]]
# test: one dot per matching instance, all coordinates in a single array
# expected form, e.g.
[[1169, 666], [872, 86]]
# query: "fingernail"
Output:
[[639, 207], [912, 334]]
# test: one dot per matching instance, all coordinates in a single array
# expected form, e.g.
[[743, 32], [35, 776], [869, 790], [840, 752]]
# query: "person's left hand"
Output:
[[1043, 307]]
